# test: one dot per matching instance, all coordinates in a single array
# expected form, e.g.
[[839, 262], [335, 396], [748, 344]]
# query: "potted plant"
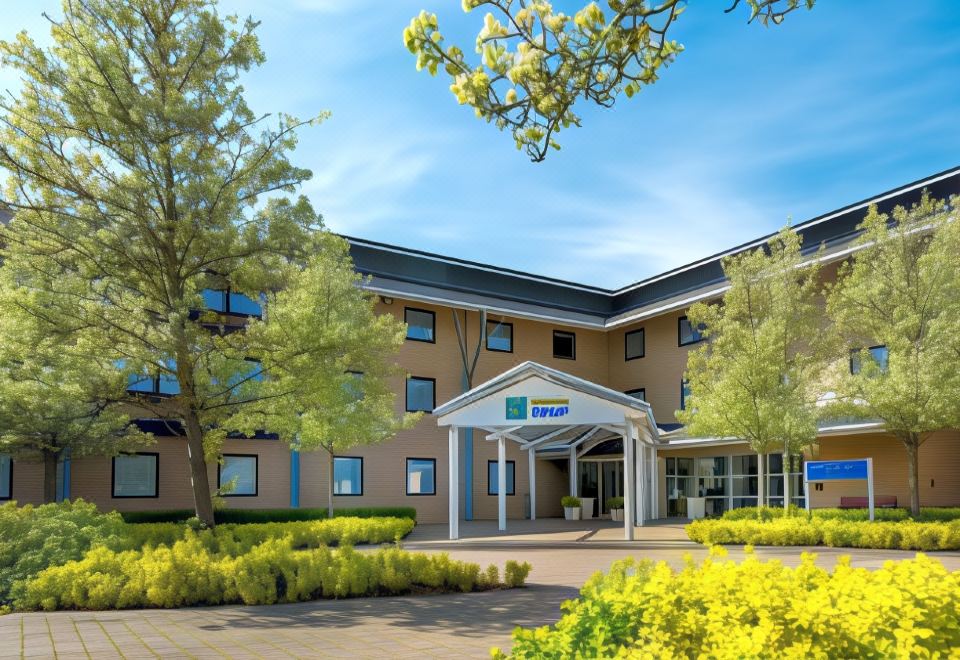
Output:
[[571, 507], [615, 505]]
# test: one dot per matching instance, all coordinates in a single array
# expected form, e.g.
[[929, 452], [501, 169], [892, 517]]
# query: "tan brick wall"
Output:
[[27, 482]]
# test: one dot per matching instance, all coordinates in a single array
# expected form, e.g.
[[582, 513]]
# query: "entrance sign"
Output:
[[517, 407], [857, 469]]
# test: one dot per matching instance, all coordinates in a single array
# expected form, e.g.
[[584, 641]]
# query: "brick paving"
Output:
[[434, 626]]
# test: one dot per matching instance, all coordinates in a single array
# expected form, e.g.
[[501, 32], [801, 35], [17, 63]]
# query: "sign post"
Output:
[[857, 469]]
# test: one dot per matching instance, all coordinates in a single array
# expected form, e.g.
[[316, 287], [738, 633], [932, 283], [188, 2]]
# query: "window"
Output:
[[745, 483], [231, 302], [420, 324], [493, 477], [684, 393], [713, 483], [775, 480], [243, 468], [564, 345], [686, 333], [347, 475], [421, 394], [6, 477], [353, 385], [162, 383], [634, 345], [421, 476], [680, 485], [878, 354], [135, 475], [500, 336], [639, 393]]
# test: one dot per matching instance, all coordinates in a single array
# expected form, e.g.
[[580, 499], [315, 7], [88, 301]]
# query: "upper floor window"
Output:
[[6, 477], [135, 475], [243, 469], [634, 344], [639, 393], [231, 302], [500, 336], [163, 382], [421, 324], [564, 345], [878, 354], [684, 393], [686, 333], [421, 394]]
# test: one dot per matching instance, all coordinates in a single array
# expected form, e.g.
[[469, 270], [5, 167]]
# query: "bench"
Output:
[[879, 501]]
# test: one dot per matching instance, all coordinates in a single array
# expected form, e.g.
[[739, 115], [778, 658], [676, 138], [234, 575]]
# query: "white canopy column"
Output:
[[454, 483], [532, 477], [502, 484]]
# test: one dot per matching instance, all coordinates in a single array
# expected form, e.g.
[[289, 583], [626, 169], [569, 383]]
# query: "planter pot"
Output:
[[571, 512], [616, 515]]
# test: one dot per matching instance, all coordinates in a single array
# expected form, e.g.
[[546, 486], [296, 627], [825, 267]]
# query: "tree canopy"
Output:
[[533, 63]]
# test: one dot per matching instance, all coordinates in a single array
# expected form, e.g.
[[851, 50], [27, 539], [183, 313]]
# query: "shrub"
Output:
[[614, 502], [515, 574], [188, 573], [724, 609], [834, 532], [236, 539], [238, 516], [33, 538], [569, 502], [927, 514]]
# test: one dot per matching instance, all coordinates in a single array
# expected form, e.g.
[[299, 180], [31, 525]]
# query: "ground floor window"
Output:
[[135, 475], [6, 477], [421, 476], [348, 475], [243, 469], [493, 477]]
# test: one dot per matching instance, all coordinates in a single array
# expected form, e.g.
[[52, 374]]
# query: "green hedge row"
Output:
[[838, 533], [273, 572], [927, 514], [270, 515]]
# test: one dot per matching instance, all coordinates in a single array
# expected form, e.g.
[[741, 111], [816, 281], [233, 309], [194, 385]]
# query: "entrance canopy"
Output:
[[544, 409]]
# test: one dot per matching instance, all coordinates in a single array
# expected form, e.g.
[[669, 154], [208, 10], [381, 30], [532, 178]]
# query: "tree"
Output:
[[756, 378], [535, 63], [898, 295], [137, 174], [56, 399]]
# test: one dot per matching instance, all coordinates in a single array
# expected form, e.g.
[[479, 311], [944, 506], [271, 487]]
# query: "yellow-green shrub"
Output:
[[803, 530], [189, 573], [725, 609], [236, 539]]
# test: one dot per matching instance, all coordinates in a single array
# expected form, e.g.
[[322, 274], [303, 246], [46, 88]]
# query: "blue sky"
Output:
[[749, 127]]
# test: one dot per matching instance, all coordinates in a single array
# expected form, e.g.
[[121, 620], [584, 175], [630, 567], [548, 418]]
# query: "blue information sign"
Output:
[[837, 470]]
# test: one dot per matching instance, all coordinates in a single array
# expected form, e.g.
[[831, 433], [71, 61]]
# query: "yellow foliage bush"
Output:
[[804, 530], [190, 573], [725, 609]]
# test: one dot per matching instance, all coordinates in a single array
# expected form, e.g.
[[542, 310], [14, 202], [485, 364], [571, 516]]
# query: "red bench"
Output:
[[879, 501]]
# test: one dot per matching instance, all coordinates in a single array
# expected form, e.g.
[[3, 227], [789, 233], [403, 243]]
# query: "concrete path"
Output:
[[446, 626]]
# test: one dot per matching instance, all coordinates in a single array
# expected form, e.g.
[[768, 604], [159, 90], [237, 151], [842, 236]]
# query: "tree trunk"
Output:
[[330, 484], [786, 479], [912, 443], [50, 459], [761, 482], [202, 499]]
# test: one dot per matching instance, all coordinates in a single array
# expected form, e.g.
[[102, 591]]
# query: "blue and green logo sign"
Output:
[[516, 407]]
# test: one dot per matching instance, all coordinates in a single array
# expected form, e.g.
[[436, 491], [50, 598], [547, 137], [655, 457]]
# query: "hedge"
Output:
[[927, 514], [236, 539], [188, 573], [725, 609], [838, 533], [270, 515]]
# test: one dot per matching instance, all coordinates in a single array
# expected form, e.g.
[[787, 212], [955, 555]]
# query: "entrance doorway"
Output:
[[600, 479]]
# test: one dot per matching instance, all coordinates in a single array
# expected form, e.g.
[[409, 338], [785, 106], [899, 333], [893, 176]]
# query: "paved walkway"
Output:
[[444, 626]]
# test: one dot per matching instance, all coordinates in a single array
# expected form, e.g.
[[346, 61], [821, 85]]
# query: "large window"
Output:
[[135, 475], [634, 344], [713, 483], [684, 393], [877, 354], [745, 482], [231, 302], [421, 324], [421, 394], [775, 480], [6, 477], [243, 468], [564, 345], [500, 336], [639, 393], [421, 476], [686, 333], [159, 383], [680, 485], [493, 477], [347, 475]]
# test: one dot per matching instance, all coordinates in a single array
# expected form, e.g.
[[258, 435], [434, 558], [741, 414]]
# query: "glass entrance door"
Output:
[[590, 481], [612, 482]]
